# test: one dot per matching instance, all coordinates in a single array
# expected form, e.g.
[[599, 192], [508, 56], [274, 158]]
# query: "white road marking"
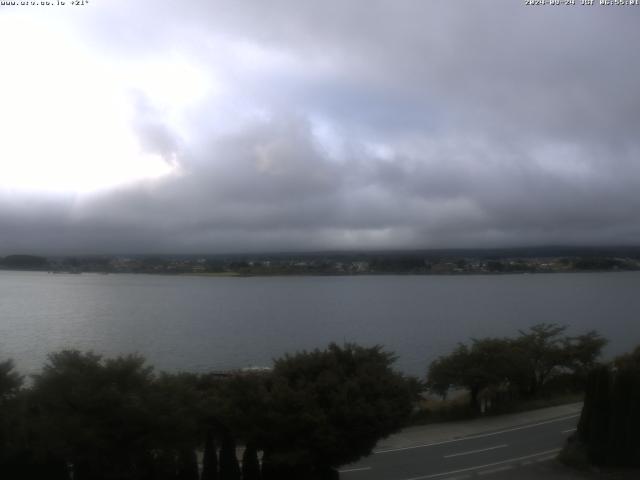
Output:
[[473, 437], [569, 430], [495, 470], [478, 467], [475, 451], [361, 469], [545, 459]]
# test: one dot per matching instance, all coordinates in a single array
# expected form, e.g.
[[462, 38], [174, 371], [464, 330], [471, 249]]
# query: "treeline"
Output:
[[415, 263], [610, 421], [27, 262], [85, 417], [541, 361]]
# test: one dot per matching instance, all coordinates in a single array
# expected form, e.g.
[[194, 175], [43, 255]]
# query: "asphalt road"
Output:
[[494, 454]]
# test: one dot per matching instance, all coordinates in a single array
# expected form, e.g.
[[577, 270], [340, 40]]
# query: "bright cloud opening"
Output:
[[67, 119]]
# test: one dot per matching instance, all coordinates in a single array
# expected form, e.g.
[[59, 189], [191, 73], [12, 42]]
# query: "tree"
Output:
[[581, 354], [250, 463], [593, 425], [187, 465], [10, 381], [210, 458], [446, 371], [174, 403], [523, 365], [24, 261], [94, 414], [628, 360], [239, 404], [330, 407], [229, 468], [610, 421], [89, 417], [11, 420], [542, 347], [487, 363]]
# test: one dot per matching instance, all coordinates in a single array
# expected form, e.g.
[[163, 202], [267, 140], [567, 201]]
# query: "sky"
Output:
[[226, 126]]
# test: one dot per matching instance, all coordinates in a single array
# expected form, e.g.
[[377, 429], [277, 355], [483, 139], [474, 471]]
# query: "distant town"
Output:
[[427, 262]]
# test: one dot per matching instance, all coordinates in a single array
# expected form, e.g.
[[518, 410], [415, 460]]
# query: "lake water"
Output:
[[216, 323]]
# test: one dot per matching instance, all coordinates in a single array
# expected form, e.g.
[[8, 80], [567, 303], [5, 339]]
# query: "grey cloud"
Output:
[[499, 125], [154, 136], [270, 188]]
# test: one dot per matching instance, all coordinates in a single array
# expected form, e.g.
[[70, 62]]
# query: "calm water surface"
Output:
[[201, 323]]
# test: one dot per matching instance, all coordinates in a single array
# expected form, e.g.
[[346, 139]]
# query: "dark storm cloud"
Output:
[[369, 124]]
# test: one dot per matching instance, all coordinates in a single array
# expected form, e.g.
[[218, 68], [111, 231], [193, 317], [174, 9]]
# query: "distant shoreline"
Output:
[[316, 274], [408, 263]]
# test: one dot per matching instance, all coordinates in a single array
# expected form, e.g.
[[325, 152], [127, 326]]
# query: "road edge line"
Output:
[[473, 437], [478, 467]]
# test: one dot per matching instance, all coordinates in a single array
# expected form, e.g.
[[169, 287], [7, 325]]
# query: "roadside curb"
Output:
[[414, 437]]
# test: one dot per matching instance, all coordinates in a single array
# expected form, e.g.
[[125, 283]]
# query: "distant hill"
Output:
[[23, 262], [480, 253]]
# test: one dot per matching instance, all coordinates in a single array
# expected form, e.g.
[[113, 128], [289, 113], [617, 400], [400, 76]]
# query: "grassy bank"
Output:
[[456, 408]]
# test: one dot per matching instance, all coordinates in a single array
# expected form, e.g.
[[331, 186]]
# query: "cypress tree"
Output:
[[49, 468], [624, 443], [268, 470], [597, 443], [210, 458], [165, 466], [250, 463], [187, 465], [633, 422], [586, 416], [87, 470], [229, 468], [610, 419], [619, 434], [325, 474]]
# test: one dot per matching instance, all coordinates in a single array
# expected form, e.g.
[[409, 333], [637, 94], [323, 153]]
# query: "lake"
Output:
[[217, 323]]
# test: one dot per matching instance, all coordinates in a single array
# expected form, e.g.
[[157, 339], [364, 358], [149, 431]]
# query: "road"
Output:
[[491, 454]]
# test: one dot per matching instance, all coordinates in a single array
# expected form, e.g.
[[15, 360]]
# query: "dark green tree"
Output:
[[229, 467], [623, 422], [12, 427], [486, 363], [175, 405], [250, 463], [164, 465], [330, 407], [210, 458], [239, 404], [24, 262], [610, 420], [581, 355], [629, 360], [446, 372], [187, 464], [593, 427], [93, 413], [542, 347], [10, 381], [521, 366]]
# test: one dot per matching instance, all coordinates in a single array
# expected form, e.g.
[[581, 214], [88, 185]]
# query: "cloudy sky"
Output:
[[159, 126]]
